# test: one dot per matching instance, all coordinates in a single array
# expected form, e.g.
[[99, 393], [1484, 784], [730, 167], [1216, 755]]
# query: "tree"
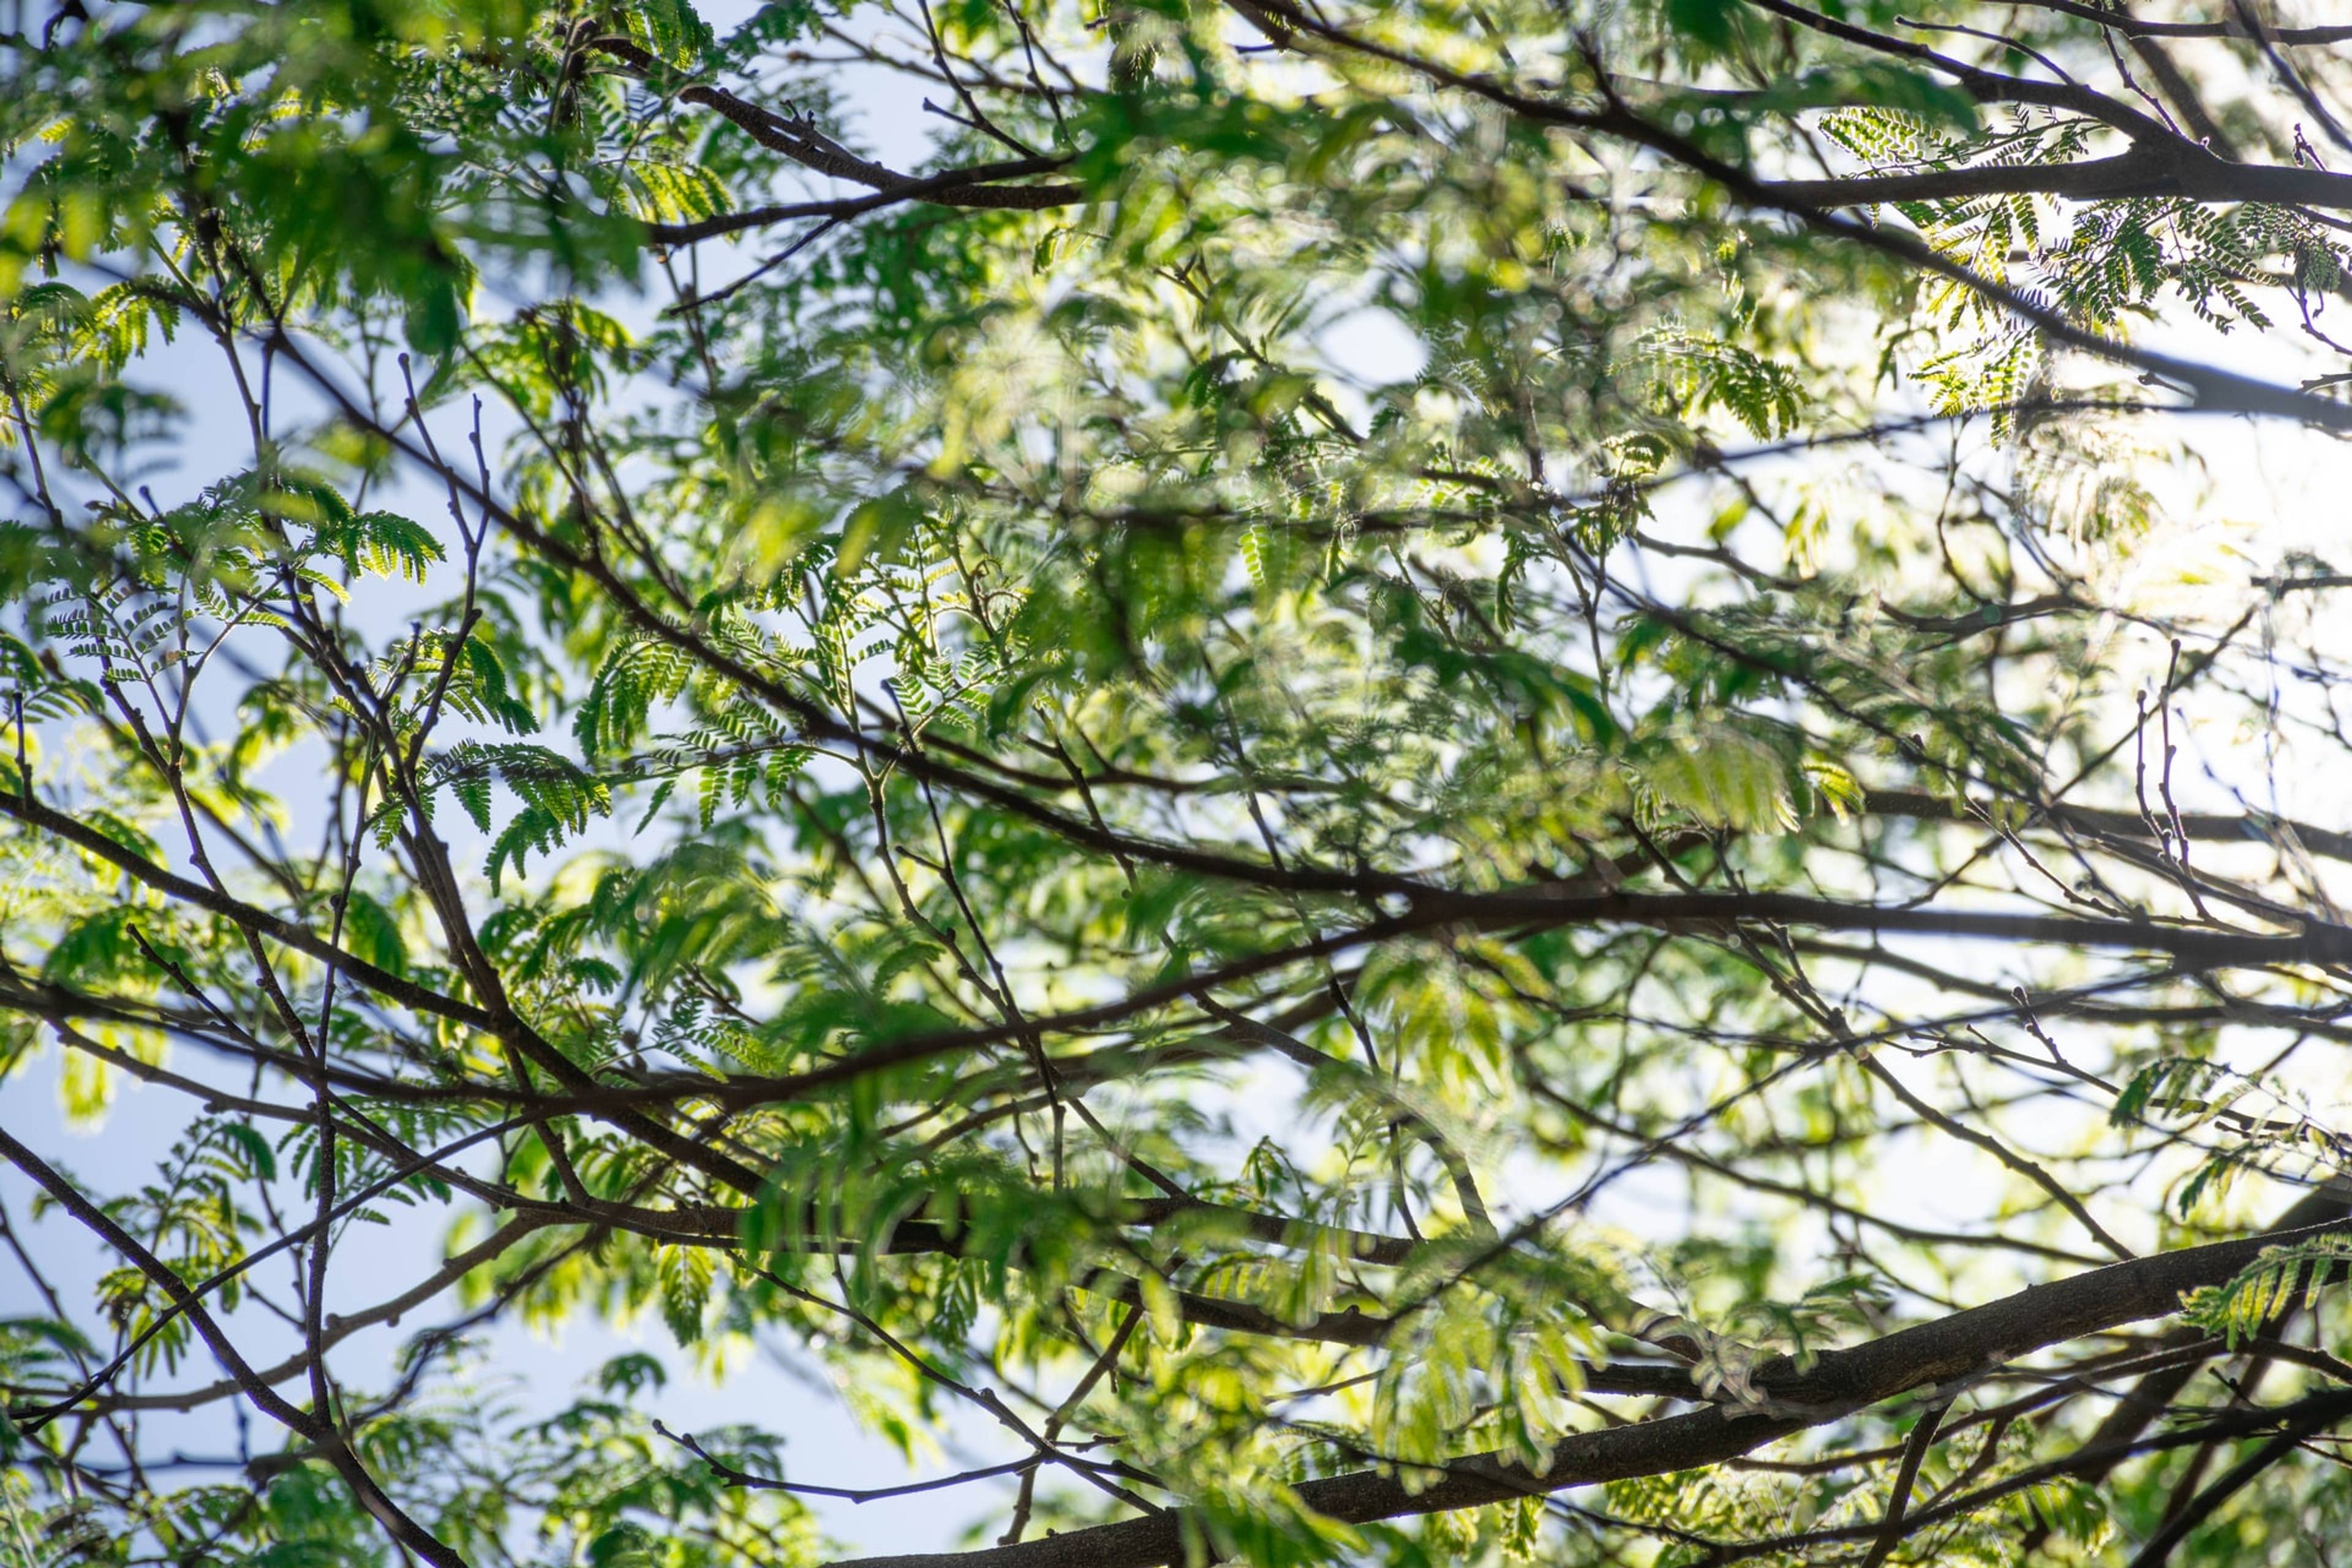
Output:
[[1419, 781]]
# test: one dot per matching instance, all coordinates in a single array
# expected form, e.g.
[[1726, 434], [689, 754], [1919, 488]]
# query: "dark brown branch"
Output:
[[978, 186], [953, 188], [2172, 168], [2203, 825], [244, 916], [2132, 26], [1984, 86], [312, 1425], [1899, 1500], [2174, 1531], [1948, 1351]]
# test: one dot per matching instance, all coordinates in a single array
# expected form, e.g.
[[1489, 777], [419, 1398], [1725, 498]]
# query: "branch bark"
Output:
[[313, 1426], [1936, 1355]]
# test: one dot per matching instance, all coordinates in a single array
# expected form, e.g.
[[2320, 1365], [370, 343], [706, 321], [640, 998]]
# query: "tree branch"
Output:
[[1939, 1354]]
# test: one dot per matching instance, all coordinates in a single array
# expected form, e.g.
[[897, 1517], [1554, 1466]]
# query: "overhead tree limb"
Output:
[[2173, 168], [1941, 1354], [2122, 22]]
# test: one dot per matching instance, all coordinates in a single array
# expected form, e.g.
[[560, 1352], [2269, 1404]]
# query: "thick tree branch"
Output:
[[2174, 167], [2207, 826], [2132, 26], [1941, 1355]]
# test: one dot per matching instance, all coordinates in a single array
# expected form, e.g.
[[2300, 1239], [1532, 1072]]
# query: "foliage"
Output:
[[1398, 783]]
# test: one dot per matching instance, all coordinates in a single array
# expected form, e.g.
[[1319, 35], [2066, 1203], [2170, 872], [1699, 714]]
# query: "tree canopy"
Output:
[[1427, 782]]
